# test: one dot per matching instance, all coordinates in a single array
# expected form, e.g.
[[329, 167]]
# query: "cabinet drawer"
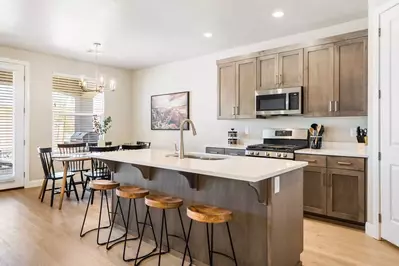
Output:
[[348, 163], [234, 152], [313, 160], [214, 150]]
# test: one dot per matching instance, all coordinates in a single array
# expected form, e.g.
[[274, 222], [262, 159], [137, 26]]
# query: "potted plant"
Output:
[[101, 127]]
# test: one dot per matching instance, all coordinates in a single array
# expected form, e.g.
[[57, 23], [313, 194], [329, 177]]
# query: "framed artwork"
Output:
[[169, 110]]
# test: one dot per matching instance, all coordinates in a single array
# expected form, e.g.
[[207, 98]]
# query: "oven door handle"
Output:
[[287, 101]]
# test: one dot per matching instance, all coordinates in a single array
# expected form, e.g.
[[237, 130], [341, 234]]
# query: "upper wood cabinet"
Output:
[[319, 80], [267, 67], [280, 70], [226, 90], [245, 88], [236, 89], [350, 84], [290, 65], [333, 73]]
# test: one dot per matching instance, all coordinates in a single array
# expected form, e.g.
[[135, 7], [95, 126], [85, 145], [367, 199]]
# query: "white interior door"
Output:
[[389, 85], [12, 101]]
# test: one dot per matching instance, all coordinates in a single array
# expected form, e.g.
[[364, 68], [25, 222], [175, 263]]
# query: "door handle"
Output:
[[344, 163], [335, 106], [281, 80], [330, 107]]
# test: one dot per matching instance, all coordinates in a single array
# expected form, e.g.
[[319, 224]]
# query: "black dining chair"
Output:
[[46, 159], [75, 166], [133, 147], [99, 170]]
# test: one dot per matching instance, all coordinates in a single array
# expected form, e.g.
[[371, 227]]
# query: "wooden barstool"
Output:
[[103, 186], [130, 193], [210, 215], [164, 203]]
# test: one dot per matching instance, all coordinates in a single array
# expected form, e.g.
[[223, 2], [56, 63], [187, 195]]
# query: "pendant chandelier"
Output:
[[99, 84]]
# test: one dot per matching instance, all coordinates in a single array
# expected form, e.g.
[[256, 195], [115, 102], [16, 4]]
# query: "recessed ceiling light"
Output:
[[278, 14], [208, 35]]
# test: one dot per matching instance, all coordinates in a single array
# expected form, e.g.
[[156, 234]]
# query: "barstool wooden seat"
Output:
[[210, 215], [130, 193], [162, 202], [103, 186]]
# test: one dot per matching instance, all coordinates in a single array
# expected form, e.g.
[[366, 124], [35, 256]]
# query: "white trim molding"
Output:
[[373, 226], [26, 114], [34, 183]]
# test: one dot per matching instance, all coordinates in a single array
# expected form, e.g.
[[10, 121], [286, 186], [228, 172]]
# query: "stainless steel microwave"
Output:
[[283, 101]]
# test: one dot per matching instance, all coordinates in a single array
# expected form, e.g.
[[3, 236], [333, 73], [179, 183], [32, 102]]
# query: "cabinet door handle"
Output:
[[344, 163], [237, 110], [281, 79], [330, 107], [336, 106]]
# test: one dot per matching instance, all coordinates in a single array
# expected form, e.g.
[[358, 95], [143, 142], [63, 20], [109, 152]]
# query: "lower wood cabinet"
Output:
[[314, 196], [345, 194], [333, 190]]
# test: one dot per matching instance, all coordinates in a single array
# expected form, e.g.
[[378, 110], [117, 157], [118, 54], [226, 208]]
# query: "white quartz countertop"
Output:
[[228, 146], [247, 169], [338, 149]]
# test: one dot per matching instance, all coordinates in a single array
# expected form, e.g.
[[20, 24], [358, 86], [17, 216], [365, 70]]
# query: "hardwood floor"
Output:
[[32, 233]]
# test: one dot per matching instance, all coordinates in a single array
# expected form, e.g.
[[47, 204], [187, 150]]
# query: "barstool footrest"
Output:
[[223, 254]]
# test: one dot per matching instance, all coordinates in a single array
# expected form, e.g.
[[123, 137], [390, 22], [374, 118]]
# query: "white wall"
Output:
[[199, 76], [42, 67]]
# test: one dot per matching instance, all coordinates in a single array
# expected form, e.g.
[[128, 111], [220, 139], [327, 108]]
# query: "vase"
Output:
[[101, 141]]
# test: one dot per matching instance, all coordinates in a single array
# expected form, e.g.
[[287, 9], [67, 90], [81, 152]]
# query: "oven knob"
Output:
[[278, 155], [285, 155], [257, 153], [251, 153], [268, 154]]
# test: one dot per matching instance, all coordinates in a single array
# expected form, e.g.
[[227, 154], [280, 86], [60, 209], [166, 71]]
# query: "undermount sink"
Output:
[[198, 157]]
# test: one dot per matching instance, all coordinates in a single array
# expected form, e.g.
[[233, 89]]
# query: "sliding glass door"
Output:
[[12, 101]]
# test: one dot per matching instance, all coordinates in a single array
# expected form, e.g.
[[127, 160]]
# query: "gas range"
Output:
[[279, 143]]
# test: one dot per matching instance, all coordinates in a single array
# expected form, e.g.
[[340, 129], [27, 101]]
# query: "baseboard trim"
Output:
[[34, 183], [373, 230]]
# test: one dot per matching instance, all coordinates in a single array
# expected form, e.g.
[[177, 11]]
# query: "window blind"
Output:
[[73, 108], [6, 114]]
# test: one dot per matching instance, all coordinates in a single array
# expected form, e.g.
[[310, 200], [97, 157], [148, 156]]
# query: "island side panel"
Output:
[[248, 227], [285, 210]]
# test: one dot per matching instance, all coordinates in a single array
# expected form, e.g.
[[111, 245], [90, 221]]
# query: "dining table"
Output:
[[66, 159]]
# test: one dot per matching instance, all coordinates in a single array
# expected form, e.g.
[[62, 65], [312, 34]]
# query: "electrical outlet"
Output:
[[353, 132], [246, 130]]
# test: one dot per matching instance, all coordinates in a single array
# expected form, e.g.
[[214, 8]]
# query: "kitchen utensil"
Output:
[[311, 131], [314, 126]]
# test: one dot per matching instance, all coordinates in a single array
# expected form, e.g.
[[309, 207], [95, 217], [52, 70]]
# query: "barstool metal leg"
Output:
[[99, 219], [87, 209], [184, 235], [160, 241], [186, 246], [231, 243], [209, 245], [119, 239]]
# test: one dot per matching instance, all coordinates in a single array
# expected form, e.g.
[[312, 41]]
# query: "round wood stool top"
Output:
[[163, 202], [100, 184], [131, 192], [209, 214]]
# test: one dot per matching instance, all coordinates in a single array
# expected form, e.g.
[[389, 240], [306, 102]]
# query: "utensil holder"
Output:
[[316, 142]]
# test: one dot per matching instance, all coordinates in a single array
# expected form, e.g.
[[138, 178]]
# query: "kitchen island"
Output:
[[265, 196]]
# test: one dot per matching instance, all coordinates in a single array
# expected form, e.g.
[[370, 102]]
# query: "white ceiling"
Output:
[[142, 33]]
